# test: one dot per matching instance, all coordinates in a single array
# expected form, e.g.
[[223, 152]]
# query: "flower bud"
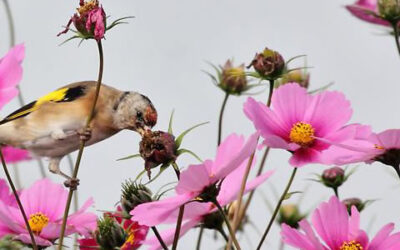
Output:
[[90, 21], [269, 64], [290, 215], [233, 79], [8, 243], [133, 195], [233, 207], [353, 202], [299, 76], [389, 10], [157, 148], [333, 177], [110, 234]]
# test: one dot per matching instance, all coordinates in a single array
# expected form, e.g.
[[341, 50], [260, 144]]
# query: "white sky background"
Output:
[[161, 53]]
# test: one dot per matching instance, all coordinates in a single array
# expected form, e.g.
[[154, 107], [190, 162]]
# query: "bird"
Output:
[[53, 125]]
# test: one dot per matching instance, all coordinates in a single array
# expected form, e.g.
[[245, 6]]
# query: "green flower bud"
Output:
[[333, 177], [233, 79], [299, 76], [353, 202], [110, 234], [213, 221], [290, 215], [133, 194], [389, 10]]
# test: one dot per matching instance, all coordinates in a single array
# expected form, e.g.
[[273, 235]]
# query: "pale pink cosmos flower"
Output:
[[11, 73], [302, 123], [196, 211], [367, 10], [44, 204], [337, 230], [232, 152]]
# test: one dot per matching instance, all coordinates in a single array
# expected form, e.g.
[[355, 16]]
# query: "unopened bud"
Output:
[[9, 244], [299, 76], [269, 64], [290, 215], [353, 202], [109, 234], [389, 10], [333, 177], [133, 194], [233, 79], [157, 148], [213, 221]]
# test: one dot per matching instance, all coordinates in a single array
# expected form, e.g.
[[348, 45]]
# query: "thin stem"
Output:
[[396, 35], [237, 214], [82, 144], [176, 169], [231, 232], [157, 234], [199, 238], [10, 23], [178, 227], [21, 208], [278, 206], [221, 114], [76, 198], [222, 232], [397, 169]]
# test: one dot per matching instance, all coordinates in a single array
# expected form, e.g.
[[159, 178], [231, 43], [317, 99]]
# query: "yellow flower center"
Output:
[[351, 245], [378, 147], [88, 6], [302, 133], [130, 240], [235, 72], [37, 222]]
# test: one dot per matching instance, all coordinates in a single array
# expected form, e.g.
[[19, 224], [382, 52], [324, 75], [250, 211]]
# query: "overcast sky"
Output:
[[162, 52]]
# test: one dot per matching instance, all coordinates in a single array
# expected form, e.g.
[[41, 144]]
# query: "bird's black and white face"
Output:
[[136, 112]]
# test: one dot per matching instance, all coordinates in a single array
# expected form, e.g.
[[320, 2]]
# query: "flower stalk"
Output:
[[159, 238], [228, 224], [82, 142], [396, 35], [278, 206], [21, 208], [221, 114]]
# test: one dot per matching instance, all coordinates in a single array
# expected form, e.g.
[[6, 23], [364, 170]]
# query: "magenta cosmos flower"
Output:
[[367, 10], [232, 152], [301, 123], [383, 147], [44, 205], [338, 231], [195, 212], [14, 155]]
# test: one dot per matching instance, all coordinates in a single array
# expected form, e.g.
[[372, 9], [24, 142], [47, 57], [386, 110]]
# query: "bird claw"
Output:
[[85, 134], [72, 183]]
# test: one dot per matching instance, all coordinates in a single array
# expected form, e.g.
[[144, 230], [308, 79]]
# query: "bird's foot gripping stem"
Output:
[[85, 134], [72, 183]]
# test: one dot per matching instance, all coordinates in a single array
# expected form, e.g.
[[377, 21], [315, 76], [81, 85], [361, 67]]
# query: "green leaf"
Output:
[[293, 58], [321, 89], [140, 174], [298, 68], [118, 21], [178, 140], [182, 151], [69, 39], [129, 157], [162, 169], [289, 195], [170, 122]]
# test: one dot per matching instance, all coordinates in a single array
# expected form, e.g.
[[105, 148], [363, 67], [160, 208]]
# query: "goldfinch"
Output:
[[53, 125]]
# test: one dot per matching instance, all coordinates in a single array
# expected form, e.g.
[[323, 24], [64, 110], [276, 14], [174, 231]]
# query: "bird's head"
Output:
[[135, 111]]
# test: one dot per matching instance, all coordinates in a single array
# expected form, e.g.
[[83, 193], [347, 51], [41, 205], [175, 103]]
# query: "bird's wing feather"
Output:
[[66, 94]]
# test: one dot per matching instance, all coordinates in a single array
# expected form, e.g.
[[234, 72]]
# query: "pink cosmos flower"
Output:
[[301, 123], [11, 73], [232, 152], [44, 204], [367, 10], [14, 155], [196, 211], [338, 230]]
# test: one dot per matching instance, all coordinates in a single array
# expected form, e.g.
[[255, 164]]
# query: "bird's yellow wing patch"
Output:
[[60, 95]]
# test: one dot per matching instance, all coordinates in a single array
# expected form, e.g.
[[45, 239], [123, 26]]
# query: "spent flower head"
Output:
[[269, 64]]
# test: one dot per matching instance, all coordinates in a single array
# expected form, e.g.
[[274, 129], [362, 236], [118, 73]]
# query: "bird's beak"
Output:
[[141, 131]]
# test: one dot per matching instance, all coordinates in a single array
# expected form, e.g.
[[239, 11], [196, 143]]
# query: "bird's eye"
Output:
[[139, 115]]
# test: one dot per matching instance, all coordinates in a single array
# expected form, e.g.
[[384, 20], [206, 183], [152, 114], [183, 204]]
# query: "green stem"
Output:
[[396, 35], [278, 206], [178, 227], [221, 114], [21, 208], [76, 198], [228, 224], [222, 232], [10, 23], [237, 214], [199, 238], [159, 238], [176, 169], [336, 191], [82, 144]]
